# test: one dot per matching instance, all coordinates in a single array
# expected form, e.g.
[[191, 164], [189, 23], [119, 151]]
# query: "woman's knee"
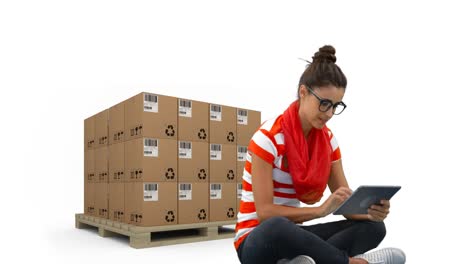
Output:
[[377, 230], [278, 226], [277, 221]]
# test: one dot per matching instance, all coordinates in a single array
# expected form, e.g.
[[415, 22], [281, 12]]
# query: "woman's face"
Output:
[[309, 112]]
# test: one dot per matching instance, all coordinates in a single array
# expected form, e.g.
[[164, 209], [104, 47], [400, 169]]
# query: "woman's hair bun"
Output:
[[324, 55]]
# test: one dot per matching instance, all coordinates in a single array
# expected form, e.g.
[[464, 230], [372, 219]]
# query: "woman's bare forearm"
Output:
[[295, 214]]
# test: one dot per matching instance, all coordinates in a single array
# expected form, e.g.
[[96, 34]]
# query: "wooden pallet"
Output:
[[144, 237]]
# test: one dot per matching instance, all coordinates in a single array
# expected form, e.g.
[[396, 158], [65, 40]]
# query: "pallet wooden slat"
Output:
[[144, 237]]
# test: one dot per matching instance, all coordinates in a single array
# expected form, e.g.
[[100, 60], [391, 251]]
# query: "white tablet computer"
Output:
[[364, 197]]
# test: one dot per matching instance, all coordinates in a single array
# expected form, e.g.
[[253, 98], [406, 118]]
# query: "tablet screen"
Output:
[[364, 197]]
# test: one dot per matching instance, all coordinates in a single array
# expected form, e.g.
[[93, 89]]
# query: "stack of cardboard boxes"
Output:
[[247, 123], [117, 178], [223, 136], [89, 176], [96, 167], [159, 160], [150, 160], [193, 161]]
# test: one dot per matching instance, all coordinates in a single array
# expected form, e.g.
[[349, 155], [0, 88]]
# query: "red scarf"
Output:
[[309, 161]]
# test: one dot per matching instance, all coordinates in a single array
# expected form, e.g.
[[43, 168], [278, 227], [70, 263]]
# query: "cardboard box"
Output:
[[241, 158], [193, 120], [239, 196], [116, 123], [89, 171], [151, 116], [101, 165], [102, 199], [117, 201], [151, 160], [151, 203], [223, 128], [117, 162], [89, 140], [193, 161], [223, 162], [193, 206], [223, 199], [129, 201], [101, 129], [248, 121], [89, 199]]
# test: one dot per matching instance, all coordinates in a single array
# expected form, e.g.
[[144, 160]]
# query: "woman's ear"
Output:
[[302, 91]]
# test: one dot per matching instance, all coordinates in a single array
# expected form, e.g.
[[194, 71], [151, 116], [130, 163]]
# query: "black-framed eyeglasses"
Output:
[[326, 104]]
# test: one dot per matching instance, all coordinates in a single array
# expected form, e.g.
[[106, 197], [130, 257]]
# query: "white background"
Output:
[[62, 61]]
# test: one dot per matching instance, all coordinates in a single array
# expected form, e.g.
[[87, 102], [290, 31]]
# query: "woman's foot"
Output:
[[384, 256]]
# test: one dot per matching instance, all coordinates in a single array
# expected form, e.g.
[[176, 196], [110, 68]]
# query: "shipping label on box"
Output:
[[215, 191], [241, 153], [215, 152], [150, 148], [150, 103], [150, 192], [185, 191], [185, 108], [239, 190], [242, 118], [216, 113], [185, 150]]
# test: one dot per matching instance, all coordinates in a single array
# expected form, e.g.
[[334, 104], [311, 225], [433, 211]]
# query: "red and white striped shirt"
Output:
[[268, 144]]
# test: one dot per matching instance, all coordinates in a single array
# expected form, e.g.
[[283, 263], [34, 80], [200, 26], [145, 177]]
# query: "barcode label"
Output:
[[150, 147], [241, 153], [185, 186], [215, 152], [216, 108], [150, 192], [185, 103], [151, 142], [185, 191], [185, 108], [151, 186], [150, 103], [239, 190], [151, 98], [242, 118], [185, 150], [215, 186], [215, 113], [185, 145], [215, 191], [216, 147]]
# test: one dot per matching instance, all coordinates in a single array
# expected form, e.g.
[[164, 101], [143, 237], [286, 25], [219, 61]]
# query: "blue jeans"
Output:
[[329, 243]]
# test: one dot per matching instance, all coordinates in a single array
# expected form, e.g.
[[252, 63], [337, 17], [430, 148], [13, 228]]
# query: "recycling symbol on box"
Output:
[[230, 137], [202, 134], [170, 175], [202, 174], [202, 214], [230, 213], [230, 175], [170, 217], [170, 130]]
